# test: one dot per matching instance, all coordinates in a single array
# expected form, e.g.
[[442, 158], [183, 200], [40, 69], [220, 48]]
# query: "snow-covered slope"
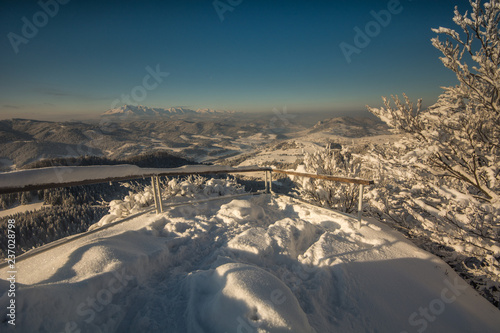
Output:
[[33, 206], [257, 264], [70, 174]]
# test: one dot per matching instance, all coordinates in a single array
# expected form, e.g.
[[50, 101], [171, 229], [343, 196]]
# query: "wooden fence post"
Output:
[[360, 204], [266, 182], [271, 181], [153, 185], [158, 188]]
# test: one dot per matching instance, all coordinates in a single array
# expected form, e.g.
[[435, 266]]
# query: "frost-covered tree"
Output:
[[336, 162], [458, 138], [460, 134], [450, 161]]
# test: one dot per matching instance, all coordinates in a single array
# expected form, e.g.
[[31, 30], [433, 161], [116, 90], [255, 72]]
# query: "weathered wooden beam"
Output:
[[327, 177]]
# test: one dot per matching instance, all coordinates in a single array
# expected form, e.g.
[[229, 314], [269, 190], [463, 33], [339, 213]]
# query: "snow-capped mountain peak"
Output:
[[140, 110]]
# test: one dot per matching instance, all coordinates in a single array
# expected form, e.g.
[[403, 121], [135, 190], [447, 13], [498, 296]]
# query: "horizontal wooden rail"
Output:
[[327, 177], [360, 182], [150, 173]]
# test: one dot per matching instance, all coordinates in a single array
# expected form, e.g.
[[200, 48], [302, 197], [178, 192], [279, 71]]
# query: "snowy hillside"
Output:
[[254, 264], [70, 174], [202, 135], [351, 127]]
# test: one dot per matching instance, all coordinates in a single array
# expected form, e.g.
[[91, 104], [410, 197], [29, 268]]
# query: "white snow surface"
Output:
[[68, 174], [30, 207], [254, 264]]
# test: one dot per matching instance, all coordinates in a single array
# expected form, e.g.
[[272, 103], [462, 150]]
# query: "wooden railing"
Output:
[[327, 177], [154, 174], [358, 181], [149, 172], [7, 178]]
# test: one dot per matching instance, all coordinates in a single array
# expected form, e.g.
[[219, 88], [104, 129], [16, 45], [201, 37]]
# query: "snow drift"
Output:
[[263, 264]]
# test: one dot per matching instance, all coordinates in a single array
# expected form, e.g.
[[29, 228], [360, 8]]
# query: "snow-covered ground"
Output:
[[7, 164], [68, 174], [33, 206], [254, 264], [308, 143]]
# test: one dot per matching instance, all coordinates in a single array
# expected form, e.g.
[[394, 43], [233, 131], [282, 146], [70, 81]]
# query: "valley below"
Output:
[[225, 138]]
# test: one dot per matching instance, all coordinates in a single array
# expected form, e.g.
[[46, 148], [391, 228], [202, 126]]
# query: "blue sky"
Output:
[[262, 55]]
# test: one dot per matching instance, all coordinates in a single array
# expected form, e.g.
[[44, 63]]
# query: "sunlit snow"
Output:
[[253, 264]]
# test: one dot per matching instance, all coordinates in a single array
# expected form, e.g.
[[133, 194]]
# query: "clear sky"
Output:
[[80, 58]]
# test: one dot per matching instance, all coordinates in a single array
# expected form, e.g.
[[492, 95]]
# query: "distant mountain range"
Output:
[[145, 111]]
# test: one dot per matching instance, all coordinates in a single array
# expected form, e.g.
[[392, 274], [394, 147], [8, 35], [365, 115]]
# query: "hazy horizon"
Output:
[[311, 116], [68, 60]]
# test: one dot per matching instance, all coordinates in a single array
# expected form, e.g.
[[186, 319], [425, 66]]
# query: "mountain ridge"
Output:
[[145, 111]]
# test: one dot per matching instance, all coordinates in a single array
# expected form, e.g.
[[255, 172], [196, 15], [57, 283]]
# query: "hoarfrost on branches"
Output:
[[443, 181], [343, 197]]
